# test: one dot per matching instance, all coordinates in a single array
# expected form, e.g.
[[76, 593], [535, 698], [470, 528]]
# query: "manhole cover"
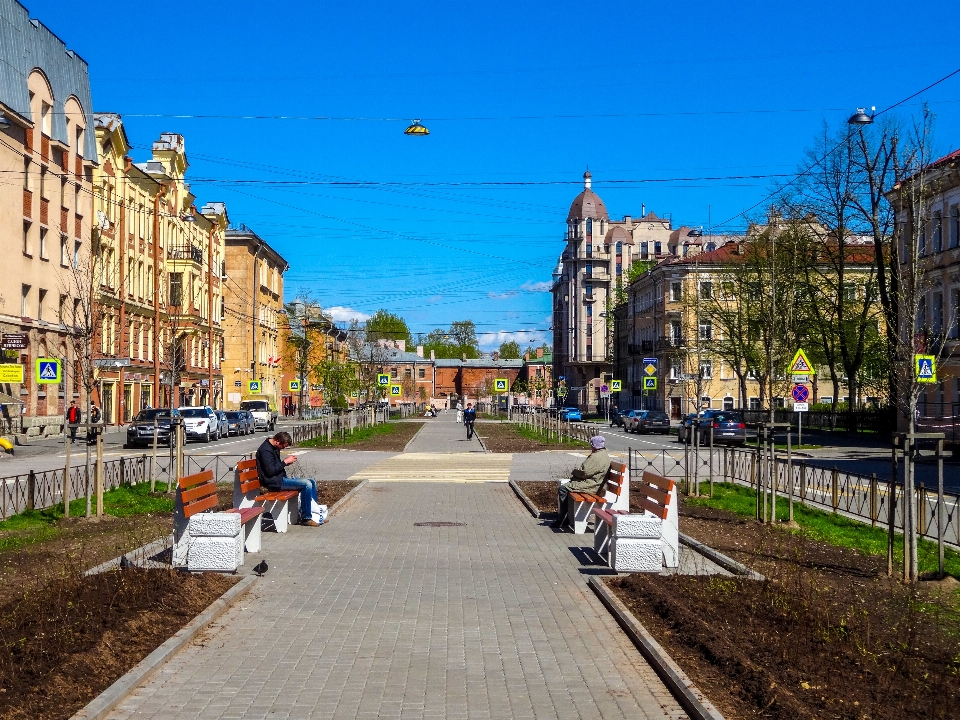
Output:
[[438, 523]]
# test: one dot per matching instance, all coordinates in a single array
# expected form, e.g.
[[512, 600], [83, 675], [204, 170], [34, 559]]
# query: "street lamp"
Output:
[[860, 117]]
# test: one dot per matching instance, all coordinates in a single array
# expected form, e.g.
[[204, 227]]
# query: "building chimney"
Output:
[[419, 350], [627, 220], [464, 357], [526, 357], [433, 355], [643, 211], [402, 345], [539, 352]]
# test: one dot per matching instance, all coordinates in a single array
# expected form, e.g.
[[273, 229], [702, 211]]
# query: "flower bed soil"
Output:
[[502, 437], [65, 642], [389, 437], [543, 494], [827, 635]]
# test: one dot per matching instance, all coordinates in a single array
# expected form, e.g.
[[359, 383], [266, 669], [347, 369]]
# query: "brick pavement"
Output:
[[370, 616]]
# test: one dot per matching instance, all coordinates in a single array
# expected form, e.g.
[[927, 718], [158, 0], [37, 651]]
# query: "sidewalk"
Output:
[[372, 616]]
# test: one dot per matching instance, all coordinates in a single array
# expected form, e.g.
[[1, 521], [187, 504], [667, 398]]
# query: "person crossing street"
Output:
[[469, 418]]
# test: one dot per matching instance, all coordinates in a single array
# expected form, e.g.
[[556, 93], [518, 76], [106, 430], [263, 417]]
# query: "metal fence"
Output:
[[877, 421], [859, 497], [552, 427]]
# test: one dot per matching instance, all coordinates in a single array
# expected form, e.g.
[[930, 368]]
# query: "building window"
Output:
[[26, 173], [728, 403], [26, 238], [589, 311], [62, 309], [393, 373], [421, 373], [923, 238], [706, 370], [676, 291], [705, 402], [41, 298], [589, 270], [64, 252], [676, 333], [589, 226], [43, 244], [588, 288], [176, 289], [407, 373], [754, 403], [45, 113], [955, 226], [589, 249], [937, 232], [706, 329], [24, 297], [657, 248], [706, 290], [827, 399]]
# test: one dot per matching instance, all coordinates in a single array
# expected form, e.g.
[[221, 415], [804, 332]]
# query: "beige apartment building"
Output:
[[253, 316], [158, 296], [594, 264], [47, 154]]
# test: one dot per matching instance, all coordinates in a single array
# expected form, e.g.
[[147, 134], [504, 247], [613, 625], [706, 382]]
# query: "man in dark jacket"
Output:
[[273, 475], [469, 418]]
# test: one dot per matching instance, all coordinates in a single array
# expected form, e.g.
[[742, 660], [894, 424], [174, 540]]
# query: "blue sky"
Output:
[[519, 97]]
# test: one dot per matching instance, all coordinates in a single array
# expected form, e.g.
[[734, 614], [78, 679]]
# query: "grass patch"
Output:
[[369, 435], [36, 526], [829, 528], [531, 434]]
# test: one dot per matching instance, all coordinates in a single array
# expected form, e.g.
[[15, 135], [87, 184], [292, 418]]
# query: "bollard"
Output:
[[66, 480], [31, 489], [873, 500], [921, 509]]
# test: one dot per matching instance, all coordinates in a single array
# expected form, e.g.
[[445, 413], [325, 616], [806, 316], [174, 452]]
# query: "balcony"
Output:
[[672, 341], [186, 252]]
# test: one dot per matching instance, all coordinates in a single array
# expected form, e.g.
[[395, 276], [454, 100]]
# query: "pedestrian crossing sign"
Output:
[[254, 386], [926, 368], [383, 379], [800, 365], [500, 385], [615, 385], [650, 383], [294, 386], [48, 371], [395, 391]]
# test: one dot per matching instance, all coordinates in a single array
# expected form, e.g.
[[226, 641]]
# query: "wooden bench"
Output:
[[615, 495], [641, 542], [204, 540], [283, 505]]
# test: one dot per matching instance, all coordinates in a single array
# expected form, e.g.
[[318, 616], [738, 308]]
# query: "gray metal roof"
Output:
[[26, 44]]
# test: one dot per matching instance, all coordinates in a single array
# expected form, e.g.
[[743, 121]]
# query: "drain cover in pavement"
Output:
[[438, 523]]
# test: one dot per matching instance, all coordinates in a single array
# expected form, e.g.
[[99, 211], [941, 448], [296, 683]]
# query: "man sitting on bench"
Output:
[[587, 478], [273, 475]]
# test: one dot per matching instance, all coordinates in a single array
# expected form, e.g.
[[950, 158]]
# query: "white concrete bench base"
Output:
[[636, 554], [215, 542]]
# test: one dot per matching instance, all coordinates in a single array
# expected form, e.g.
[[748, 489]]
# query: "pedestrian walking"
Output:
[[613, 415], [73, 417], [469, 418], [95, 417]]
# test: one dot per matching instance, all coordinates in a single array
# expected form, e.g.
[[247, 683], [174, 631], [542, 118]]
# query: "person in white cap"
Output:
[[587, 478]]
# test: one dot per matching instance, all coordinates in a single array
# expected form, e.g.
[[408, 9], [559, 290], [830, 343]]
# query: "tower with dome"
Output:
[[595, 261]]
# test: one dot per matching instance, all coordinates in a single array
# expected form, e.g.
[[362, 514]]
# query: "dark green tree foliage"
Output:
[[459, 340], [384, 325], [510, 350]]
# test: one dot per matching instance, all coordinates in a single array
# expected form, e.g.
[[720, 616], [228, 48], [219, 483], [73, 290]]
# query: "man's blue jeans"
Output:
[[308, 492]]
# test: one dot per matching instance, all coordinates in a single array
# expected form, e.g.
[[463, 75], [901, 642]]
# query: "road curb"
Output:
[[694, 702], [534, 510], [102, 705], [727, 563], [338, 505]]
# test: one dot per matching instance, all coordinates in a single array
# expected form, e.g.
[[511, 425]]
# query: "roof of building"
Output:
[[241, 233], [587, 204], [391, 355], [486, 361], [616, 234]]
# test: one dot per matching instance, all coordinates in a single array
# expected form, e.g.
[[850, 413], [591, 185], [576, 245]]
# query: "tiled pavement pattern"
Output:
[[439, 467], [370, 616]]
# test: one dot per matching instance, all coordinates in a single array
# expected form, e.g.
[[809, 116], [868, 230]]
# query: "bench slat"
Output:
[[279, 495], [205, 503], [199, 491], [250, 485], [654, 493], [248, 474], [651, 507], [247, 464], [188, 481], [246, 514], [665, 484]]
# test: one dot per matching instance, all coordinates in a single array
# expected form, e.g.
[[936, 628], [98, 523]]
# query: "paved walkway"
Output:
[[372, 616]]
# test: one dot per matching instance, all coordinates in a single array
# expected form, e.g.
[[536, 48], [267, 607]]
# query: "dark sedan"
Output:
[[140, 430], [653, 421], [238, 423]]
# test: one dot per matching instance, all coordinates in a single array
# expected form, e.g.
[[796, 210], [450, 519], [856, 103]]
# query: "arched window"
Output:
[[589, 226]]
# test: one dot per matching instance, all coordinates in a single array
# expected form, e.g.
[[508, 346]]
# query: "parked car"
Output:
[[237, 423], [685, 429], [571, 414], [223, 427], [140, 430], [265, 416], [653, 421], [728, 427], [630, 419], [200, 423], [251, 420]]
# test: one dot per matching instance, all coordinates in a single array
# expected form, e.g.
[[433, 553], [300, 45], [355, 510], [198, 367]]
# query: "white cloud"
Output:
[[531, 286], [344, 314], [523, 338], [503, 295]]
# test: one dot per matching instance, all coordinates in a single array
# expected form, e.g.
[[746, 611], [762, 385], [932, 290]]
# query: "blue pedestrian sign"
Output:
[[48, 371], [253, 386]]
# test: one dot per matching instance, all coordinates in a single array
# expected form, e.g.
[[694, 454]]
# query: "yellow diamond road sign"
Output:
[[650, 369], [800, 365]]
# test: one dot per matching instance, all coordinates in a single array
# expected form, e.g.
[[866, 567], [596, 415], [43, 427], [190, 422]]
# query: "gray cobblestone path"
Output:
[[372, 617]]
